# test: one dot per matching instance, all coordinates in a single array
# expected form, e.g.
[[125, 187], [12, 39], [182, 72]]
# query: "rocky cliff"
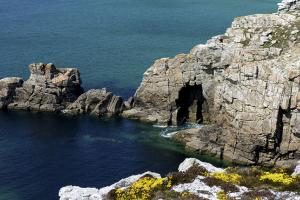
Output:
[[246, 82], [54, 90]]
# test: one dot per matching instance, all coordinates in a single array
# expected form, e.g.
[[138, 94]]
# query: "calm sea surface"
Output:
[[112, 43]]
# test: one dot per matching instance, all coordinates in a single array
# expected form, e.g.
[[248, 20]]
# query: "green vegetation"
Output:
[[256, 179]]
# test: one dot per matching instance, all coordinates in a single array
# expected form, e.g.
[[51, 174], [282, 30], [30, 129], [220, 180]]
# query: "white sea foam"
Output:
[[168, 132]]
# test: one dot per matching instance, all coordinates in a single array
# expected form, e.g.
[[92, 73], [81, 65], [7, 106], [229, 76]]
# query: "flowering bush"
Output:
[[229, 178], [143, 188], [281, 178], [222, 195]]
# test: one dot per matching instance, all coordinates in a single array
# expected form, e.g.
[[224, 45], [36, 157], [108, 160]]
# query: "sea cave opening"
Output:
[[189, 104]]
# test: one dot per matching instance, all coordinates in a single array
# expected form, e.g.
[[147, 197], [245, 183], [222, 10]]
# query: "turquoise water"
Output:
[[112, 43]]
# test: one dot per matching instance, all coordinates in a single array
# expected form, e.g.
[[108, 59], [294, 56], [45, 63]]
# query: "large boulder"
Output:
[[96, 102], [189, 162]]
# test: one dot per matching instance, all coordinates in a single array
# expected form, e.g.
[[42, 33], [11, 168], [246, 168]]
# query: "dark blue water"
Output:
[[39, 153], [112, 42]]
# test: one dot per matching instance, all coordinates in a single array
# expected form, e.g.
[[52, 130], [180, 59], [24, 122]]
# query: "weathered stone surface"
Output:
[[47, 89], [245, 81], [7, 90], [129, 103], [189, 162], [54, 89], [287, 5], [96, 102], [78, 193], [198, 186]]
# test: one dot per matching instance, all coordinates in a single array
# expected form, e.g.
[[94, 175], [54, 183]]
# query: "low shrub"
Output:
[[258, 195], [225, 186], [188, 176], [172, 195]]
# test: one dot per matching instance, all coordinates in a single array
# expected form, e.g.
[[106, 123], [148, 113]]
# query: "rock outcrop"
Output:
[[54, 90], [47, 89], [208, 182], [288, 5], [78, 193], [96, 102], [7, 90], [190, 162], [246, 82]]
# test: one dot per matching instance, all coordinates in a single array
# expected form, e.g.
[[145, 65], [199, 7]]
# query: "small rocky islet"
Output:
[[243, 86]]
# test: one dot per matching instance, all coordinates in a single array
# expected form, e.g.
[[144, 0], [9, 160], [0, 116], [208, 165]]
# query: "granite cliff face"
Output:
[[54, 90], [246, 82]]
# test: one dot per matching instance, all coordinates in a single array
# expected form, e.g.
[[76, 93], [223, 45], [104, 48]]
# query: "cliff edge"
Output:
[[245, 84]]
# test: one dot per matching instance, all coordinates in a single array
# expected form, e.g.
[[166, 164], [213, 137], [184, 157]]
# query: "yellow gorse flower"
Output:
[[143, 188], [221, 195], [282, 178], [227, 177]]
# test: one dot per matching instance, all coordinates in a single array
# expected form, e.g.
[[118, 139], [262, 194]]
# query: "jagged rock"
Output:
[[78, 193], [249, 89], [129, 103], [96, 102], [199, 188], [189, 162], [47, 89], [287, 5], [116, 105], [208, 139], [202, 190], [297, 169], [7, 90], [57, 89]]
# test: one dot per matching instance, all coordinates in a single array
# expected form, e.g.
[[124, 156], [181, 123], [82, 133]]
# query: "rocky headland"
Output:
[[244, 86]]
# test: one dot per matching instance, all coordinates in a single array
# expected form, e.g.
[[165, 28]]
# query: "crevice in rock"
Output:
[[257, 151], [279, 128], [189, 104]]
